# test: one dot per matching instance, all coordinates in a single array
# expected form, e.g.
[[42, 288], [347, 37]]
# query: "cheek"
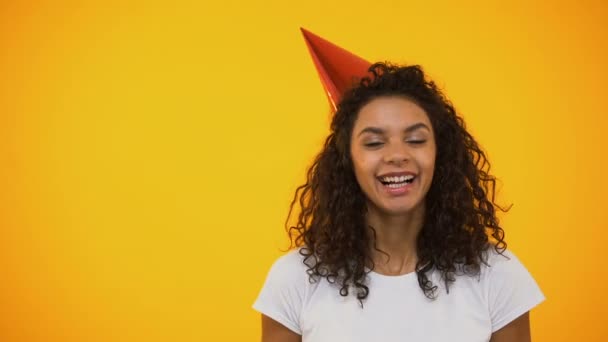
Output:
[[427, 159], [362, 165], [359, 167], [430, 162]]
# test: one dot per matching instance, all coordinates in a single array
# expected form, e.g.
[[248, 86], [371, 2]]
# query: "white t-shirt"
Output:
[[396, 309]]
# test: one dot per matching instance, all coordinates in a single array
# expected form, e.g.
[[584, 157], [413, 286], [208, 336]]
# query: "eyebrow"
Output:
[[378, 130]]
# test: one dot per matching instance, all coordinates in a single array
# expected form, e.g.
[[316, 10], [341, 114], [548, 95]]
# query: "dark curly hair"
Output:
[[460, 222]]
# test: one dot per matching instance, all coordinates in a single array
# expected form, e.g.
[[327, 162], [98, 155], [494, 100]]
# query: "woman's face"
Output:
[[393, 153]]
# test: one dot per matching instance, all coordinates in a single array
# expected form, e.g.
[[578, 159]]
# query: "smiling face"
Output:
[[393, 153]]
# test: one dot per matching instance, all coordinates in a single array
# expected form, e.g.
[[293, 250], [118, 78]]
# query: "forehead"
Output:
[[390, 112]]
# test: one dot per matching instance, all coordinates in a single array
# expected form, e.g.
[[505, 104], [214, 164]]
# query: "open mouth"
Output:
[[397, 182]]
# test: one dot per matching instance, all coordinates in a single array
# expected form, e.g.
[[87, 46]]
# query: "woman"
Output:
[[397, 236]]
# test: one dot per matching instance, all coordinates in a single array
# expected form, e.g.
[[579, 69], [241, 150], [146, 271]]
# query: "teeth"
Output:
[[399, 179]]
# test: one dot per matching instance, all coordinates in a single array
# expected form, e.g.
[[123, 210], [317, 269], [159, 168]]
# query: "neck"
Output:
[[395, 235]]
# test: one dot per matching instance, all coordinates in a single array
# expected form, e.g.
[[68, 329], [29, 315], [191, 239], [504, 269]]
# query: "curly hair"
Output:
[[460, 222]]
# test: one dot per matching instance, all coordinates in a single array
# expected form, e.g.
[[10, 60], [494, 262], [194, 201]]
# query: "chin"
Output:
[[398, 210]]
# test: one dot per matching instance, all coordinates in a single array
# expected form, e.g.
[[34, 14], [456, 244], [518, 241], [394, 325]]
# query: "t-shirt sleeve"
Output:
[[511, 289], [283, 293]]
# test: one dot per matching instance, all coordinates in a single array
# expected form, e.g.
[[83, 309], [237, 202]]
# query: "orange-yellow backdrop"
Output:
[[148, 151]]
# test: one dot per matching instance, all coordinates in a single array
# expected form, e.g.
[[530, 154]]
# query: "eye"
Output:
[[373, 144], [416, 142]]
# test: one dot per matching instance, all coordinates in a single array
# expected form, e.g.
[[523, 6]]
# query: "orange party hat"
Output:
[[337, 68]]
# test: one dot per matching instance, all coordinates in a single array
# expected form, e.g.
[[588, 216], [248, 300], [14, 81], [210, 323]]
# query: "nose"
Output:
[[396, 155]]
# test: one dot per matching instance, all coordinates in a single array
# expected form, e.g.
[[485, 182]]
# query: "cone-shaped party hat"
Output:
[[337, 67]]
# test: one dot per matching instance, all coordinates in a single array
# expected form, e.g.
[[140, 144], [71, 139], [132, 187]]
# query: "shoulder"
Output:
[[285, 290], [501, 263], [292, 264], [509, 287], [492, 263], [494, 257], [504, 268], [289, 272]]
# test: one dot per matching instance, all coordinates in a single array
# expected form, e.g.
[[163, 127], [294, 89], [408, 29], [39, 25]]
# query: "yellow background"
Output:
[[149, 150]]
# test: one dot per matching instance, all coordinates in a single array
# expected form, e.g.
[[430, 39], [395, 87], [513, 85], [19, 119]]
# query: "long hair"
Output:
[[460, 222]]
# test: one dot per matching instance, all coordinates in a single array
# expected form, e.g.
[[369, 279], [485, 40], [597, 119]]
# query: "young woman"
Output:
[[397, 237]]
